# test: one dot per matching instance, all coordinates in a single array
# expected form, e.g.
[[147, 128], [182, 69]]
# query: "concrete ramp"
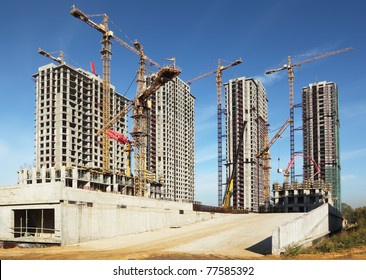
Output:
[[306, 229]]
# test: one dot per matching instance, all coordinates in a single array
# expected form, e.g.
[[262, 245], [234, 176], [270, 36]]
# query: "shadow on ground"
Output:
[[263, 247]]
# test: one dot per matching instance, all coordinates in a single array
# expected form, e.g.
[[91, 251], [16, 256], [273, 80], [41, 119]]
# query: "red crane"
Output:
[[292, 161]]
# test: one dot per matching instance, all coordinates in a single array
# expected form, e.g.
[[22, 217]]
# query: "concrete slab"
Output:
[[232, 236]]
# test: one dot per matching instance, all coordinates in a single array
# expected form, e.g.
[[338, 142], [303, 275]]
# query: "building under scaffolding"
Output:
[[321, 135]]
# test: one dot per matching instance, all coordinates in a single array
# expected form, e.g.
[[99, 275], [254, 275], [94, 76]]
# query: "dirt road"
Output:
[[245, 236]]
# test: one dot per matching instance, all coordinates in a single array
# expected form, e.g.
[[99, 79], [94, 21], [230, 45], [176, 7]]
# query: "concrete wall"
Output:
[[307, 228], [39, 196], [114, 215], [82, 215]]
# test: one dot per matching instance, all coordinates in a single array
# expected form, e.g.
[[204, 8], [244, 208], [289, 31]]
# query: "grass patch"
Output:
[[343, 240], [292, 251]]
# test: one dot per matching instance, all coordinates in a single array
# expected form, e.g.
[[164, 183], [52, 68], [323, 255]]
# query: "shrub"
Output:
[[292, 251]]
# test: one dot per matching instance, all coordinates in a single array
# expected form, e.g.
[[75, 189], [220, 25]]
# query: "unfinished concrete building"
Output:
[[66, 198], [302, 197], [321, 135], [246, 100], [68, 116], [170, 149]]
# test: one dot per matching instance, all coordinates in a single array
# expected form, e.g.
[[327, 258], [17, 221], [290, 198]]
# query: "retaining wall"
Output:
[[82, 215], [307, 228]]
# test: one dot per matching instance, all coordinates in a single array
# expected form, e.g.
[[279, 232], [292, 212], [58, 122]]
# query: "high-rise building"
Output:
[[321, 135], [68, 116], [170, 149], [246, 100]]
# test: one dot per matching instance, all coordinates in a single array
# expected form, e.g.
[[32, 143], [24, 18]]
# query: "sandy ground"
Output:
[[229, 237]]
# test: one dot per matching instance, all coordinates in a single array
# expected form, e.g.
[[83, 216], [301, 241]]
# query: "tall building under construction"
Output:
[[170, 149], [246, 101], [69, 115], [321, 135], [67, 197]]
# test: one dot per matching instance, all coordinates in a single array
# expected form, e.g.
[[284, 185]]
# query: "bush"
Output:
[[292, 251], [346, 239]]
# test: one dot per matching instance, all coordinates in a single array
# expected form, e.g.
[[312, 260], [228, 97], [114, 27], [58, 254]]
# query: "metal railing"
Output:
[[35, 232]]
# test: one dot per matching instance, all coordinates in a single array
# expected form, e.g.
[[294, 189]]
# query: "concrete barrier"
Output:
[[307, 228], [77, 215]]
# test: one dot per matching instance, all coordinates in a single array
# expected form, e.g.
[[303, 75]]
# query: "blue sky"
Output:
[[263, 33]]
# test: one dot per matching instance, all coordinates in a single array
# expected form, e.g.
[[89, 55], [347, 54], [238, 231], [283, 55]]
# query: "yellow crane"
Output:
[[264, 156], [218, 73], [290, 69], [106, 58], [266, 148], [59, 59], [139, 107]]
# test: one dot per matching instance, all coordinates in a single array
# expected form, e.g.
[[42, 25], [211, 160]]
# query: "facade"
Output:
[[68, 117], [302, 197], [246, 100], [170, 149], [321, 135]]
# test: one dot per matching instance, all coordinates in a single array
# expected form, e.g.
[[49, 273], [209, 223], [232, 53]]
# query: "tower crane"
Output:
[[139, 107], [59, 59], [290, 69], [265, 156], [172, 59], [106, 58], [218, 73], [266, 148]]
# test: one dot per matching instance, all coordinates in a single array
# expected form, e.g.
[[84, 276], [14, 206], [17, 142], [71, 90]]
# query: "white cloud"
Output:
[[206, 153], [206, 188], [353, 111], [268, 80], [349, 177], [359, 153], [4, 149], [353, 190]]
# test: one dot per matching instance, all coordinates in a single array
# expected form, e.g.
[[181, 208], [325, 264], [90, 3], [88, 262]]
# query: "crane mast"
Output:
[[106, 58], [218, 73], [219, 130], [291, 77], [265, 157], [139, 133]]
